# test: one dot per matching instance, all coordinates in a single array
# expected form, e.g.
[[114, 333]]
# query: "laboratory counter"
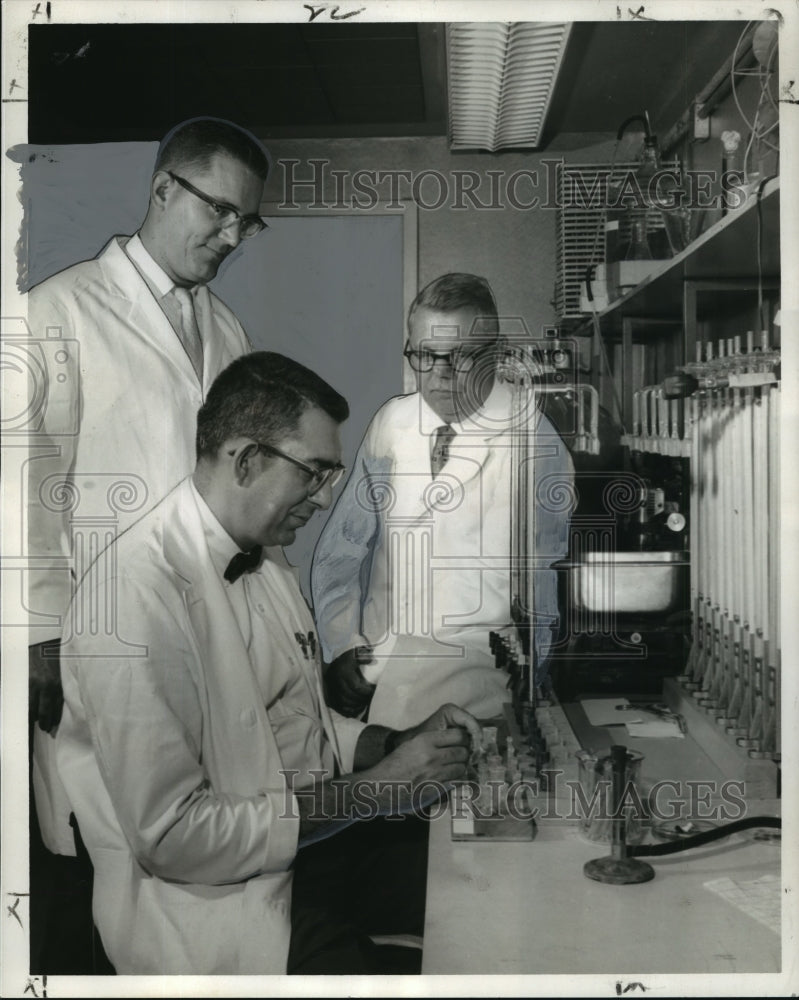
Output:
[[526, 907]]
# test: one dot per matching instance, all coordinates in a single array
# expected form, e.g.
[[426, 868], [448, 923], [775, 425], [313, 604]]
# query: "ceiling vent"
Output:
[[501, 79]]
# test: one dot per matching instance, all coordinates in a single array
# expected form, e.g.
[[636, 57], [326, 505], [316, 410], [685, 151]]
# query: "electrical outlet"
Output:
[[701, 125]]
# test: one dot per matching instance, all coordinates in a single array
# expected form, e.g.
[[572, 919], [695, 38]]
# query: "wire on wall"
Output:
[[765, 48]]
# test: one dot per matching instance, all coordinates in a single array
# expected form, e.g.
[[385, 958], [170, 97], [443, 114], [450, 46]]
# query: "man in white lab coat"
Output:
[[179, 754], [134, 339], [412, 570]]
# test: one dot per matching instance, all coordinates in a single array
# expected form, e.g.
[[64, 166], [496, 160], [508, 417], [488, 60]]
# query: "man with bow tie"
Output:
[[145, 339], [215, 791], [412, 570]]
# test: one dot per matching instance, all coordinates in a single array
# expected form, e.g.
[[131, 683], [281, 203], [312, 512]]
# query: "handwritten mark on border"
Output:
[[315, 11]]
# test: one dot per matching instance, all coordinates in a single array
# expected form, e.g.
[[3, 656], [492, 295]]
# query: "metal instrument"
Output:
[[514, 649], [731, 402], [619, 868]]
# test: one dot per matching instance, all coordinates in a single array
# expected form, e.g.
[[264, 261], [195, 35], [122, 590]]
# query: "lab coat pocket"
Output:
[[150, 926]]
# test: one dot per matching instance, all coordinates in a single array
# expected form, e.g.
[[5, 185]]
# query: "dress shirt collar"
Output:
[[491, 418], [152, 272], [220, 544], [429, 420]]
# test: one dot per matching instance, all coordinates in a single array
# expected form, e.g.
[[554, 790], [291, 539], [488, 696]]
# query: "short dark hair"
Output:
[[458, 290], [262, 395], [194, 142]]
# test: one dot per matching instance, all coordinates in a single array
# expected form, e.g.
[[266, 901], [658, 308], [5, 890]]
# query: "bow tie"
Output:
[[243, 562]]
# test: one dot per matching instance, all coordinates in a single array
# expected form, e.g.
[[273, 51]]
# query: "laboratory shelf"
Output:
[[726, 251], [713, 279]]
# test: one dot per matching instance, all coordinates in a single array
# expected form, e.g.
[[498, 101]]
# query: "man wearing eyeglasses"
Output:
[[412, 570], [201, 763], [146, 338]]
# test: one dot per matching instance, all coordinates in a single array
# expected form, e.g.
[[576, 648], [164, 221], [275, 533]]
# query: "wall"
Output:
[[511, 245]]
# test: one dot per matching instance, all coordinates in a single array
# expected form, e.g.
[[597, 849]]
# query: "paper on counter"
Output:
[[603, 712], [761, 898], [656, 729]]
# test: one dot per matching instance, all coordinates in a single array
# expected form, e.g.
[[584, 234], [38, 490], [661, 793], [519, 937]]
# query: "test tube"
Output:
[[490, 740]]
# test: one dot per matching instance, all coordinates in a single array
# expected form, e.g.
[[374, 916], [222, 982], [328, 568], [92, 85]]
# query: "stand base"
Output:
[[618, 871]]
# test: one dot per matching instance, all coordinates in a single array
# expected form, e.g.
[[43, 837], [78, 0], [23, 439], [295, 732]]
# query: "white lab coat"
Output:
[[419, 568], [170, 762], [115, 421]]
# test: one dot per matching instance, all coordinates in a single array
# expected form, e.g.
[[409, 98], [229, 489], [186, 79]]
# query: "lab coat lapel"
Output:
[[467, 455], [479, 433], [327, 719], [412, 477], [311, 667], [416, 493], [143, 311], [239, 748]]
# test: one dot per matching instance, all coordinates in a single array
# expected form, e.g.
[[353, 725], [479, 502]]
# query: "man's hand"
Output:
[[446, 717], [45, 697], [425, 759], [438, 749], [346, 691], [436, 755]]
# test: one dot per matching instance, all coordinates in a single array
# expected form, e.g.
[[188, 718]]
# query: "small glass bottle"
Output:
[[638, 248], [490, 747]]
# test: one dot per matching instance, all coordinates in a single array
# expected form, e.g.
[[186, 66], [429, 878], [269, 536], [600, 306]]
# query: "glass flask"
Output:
[[638, 247], [596, 782]]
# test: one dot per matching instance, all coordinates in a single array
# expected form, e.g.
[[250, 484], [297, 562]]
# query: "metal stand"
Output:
[[618, 868]]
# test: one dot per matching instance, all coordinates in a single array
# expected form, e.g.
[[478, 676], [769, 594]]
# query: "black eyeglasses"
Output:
[[459, 360], [317, 478], [224, 215]]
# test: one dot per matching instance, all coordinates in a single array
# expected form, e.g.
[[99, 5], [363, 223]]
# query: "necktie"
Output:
[[189, 331], [440, 453], [243, 562]]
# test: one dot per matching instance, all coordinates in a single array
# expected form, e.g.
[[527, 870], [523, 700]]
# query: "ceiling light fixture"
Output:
[[501, 79]]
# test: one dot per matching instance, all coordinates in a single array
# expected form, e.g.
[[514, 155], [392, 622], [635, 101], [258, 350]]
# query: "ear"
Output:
[[246, 464], [160, 186]]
